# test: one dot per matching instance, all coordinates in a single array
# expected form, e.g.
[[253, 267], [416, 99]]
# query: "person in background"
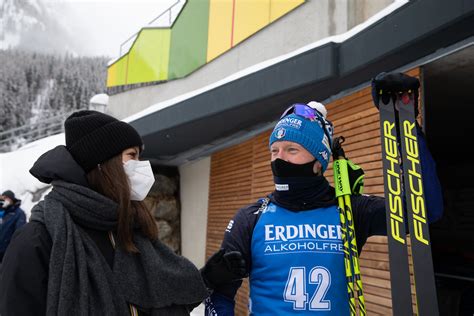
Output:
[[91, 246], [12, 217], [291, 240]]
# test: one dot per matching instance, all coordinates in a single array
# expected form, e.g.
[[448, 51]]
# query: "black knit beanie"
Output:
[[93, 137], [10, 195]]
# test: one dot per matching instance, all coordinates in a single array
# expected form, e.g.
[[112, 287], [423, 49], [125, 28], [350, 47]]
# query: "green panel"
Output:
[[149, 56], [189, 39]]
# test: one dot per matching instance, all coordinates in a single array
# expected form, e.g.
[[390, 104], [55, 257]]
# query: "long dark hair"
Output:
[[110, 180]]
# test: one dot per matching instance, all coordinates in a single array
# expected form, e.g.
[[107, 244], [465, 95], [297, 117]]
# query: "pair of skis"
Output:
[[396, 97], [403, 184]]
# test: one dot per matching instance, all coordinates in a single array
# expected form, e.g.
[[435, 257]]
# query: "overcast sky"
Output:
[[102, 25]]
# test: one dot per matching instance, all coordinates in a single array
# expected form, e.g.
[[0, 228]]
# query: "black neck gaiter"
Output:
[[298, 188]]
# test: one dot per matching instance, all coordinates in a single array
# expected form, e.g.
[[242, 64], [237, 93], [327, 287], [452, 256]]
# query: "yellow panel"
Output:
[[149, 56], [249, 17], [112, 75], [220, 27], [279, 8], [121, 66]]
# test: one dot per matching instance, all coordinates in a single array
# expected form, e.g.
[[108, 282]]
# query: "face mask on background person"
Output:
[[141, 178], [6, 204]]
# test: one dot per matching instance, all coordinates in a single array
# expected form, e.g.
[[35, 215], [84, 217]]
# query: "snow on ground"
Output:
[[15, 166]]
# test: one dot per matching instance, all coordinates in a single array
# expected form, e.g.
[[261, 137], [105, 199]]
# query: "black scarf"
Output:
[[298, 188], [80, 280]]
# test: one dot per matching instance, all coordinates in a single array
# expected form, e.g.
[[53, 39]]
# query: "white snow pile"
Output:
[[14, 171]]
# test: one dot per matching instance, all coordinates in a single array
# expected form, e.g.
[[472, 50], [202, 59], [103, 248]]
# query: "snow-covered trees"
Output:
[[35, 87]]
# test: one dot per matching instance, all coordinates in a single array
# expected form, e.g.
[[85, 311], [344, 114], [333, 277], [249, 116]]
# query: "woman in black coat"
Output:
[[91, 246]]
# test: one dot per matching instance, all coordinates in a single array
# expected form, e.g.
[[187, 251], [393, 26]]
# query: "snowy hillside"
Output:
[[15, 19], [33, 25]]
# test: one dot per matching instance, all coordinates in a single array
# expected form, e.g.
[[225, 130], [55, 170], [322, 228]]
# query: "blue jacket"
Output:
[[13, 218]]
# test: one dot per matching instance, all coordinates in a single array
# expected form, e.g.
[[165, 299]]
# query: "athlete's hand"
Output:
[[224, 267], [387, 85]]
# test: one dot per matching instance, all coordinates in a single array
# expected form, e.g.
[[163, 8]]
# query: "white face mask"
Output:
[[141, 178], [6, 204]]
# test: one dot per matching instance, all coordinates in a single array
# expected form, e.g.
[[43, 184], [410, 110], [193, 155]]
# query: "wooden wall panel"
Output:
[[229, 190], [242, 174]]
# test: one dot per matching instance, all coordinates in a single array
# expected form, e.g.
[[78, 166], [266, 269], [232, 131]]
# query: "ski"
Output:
[[397, 250], [425, 287], [403, 184]]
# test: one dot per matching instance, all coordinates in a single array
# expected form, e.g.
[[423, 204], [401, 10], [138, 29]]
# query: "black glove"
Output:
[[387, 85], [223, 268]]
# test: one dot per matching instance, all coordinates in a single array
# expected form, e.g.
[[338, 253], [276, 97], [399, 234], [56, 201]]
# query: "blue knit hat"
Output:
[[309, 134]]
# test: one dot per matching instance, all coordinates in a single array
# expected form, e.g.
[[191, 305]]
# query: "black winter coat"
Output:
[[25, 269]]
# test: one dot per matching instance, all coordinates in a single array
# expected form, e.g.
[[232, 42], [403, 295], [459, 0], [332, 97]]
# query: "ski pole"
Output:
[[344, 189]]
